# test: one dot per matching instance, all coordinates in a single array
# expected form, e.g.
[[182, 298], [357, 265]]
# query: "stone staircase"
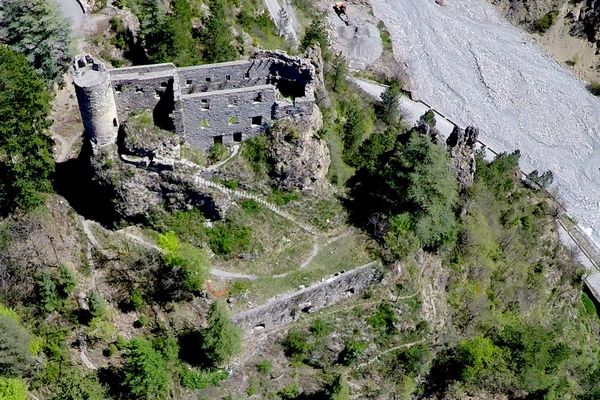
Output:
[[204, 183]]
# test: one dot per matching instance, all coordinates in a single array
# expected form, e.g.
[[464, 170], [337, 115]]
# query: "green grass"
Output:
[[342, 255]]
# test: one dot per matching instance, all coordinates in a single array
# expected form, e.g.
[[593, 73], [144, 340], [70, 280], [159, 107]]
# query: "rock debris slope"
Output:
[[479, 70]]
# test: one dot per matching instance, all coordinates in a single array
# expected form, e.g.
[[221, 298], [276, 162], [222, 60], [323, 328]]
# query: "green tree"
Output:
[[168, 37], [192, 260], [419, 179], [316, 33], [36, 29], [221, 339], [25, 147], [389, 103], [338, 389], [13, 388], [356, 129], [15, 354], [339, 70], [217, 35], [146, 373], [74, 384]]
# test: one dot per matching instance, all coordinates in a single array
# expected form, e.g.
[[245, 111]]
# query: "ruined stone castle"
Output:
[[207, 104]]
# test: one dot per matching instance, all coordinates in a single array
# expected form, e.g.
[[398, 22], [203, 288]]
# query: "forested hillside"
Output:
[[478, 298]]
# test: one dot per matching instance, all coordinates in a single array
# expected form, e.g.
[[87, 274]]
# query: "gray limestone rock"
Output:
[[461, 145], [301, 159]]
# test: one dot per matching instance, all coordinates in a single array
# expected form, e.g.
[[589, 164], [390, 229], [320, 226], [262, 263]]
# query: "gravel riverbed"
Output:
[[475, 67]]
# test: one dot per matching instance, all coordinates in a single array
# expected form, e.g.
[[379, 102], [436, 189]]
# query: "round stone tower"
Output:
[[96, 100]]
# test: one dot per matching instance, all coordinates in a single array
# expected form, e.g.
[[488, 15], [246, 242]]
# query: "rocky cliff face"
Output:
[[300, 158], [461, 145]]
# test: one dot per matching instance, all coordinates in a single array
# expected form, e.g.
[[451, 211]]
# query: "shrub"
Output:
[[353, 349], [217, 152], [281, 197], [146, 374], [136, 299], [228, 238], [255, 151], [400, 238], [320, 328], [13, 388], [337, 389], [97, 305], [264, 367], [544, 23], [200, 379], [383, 319], [251, 206], [74, 384], [192, 260], [296, 345], [289, 392]]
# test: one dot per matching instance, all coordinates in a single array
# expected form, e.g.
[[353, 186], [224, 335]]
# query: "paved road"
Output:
[[469, 62], [413, 109], [72, 11]]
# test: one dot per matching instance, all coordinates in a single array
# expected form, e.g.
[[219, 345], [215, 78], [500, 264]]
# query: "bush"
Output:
[[353, 349], [74, 384], [289, 392], [200, 379], [146, 374], [217, 152], [264, 367], [282, 198], [13, 388], [192, 260], [251, 206], [544, 23], [296, 345], [383, 319], [320, 328], [229, 239], [400, 238], [97, 305], [255, 151], [337, 389]]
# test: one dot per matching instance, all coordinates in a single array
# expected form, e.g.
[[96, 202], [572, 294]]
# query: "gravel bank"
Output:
[[471, 64]]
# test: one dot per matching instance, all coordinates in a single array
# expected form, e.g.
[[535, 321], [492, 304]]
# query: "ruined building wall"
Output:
[[206, 104], [226, 116], [288, 307]]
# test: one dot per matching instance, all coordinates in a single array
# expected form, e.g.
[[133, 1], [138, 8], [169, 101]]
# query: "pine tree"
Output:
[[146, 372], [217, 36], [221, 339], [389, 103], [36, 29], [26, 161]]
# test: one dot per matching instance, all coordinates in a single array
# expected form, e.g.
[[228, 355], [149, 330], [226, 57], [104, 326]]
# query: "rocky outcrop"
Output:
[[315, 56], [461, 145], [300, 158]]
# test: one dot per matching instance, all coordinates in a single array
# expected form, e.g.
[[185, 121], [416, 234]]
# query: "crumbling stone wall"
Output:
[[288, 307], [226, 116]]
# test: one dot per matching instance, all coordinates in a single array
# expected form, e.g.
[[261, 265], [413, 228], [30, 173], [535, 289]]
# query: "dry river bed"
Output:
[[471, 64]]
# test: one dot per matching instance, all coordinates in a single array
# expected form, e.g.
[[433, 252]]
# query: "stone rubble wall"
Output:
[[226, 115], [288, 307]]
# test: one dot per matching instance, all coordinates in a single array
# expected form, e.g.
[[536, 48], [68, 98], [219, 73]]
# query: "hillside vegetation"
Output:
[[479, 298]]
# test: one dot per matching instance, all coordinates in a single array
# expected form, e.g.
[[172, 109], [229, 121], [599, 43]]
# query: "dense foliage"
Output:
[[26, 161], [36, 29]]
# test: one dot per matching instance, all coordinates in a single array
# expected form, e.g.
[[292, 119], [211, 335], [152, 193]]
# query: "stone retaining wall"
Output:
[[288, 307]]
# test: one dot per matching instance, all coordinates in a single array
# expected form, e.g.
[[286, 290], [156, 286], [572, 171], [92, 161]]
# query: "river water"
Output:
[[72, 11], [478, 69]]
